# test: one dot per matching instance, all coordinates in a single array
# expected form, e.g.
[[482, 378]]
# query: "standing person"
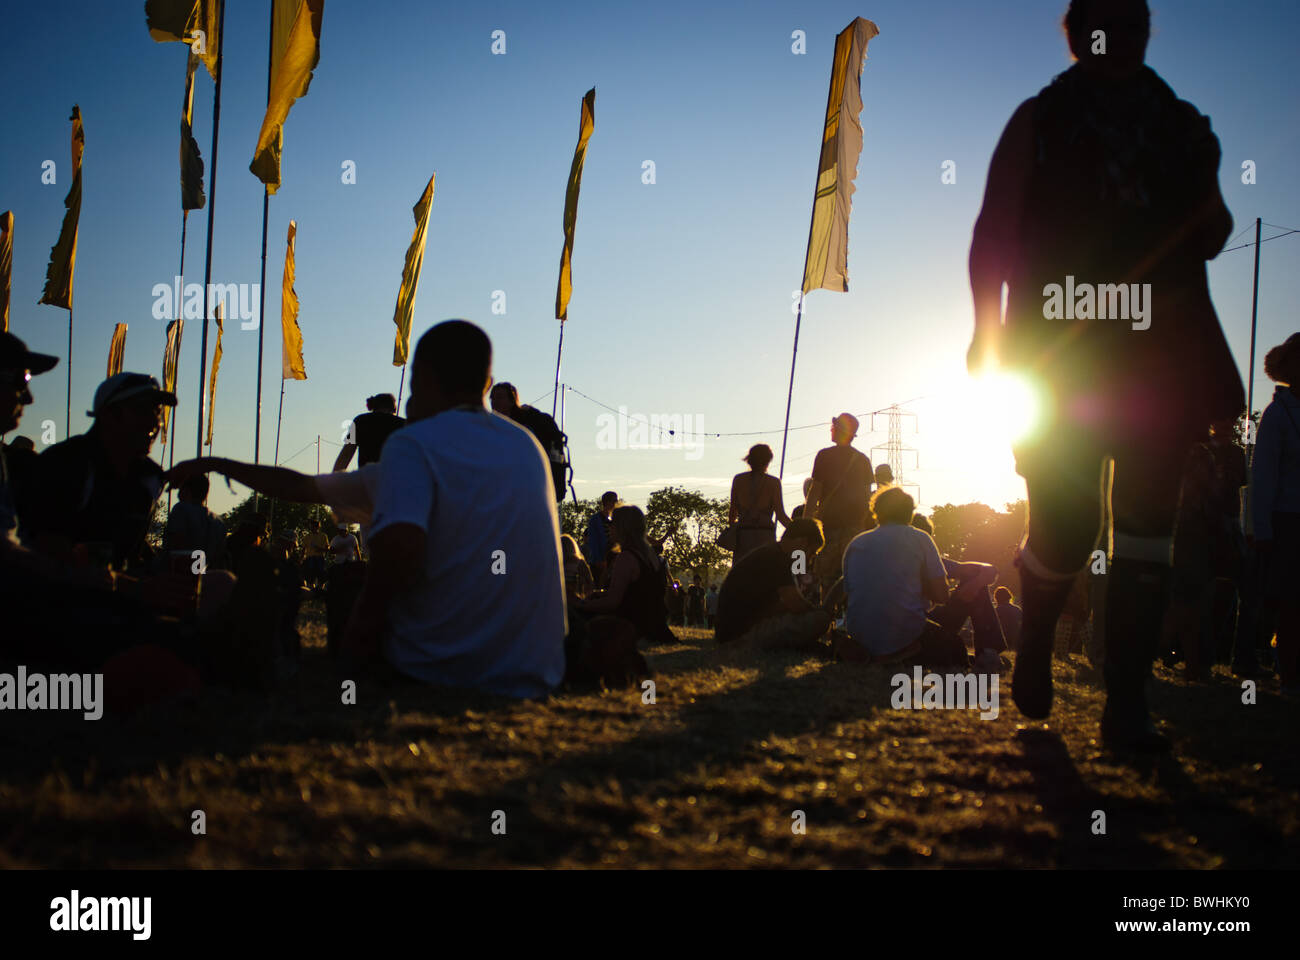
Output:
[[316, 546], [370, 431], [1275, 503], [17, 367], [711, 605], [465, 586], [344, 547], [755, 497], [505, 401], [1108, 179], [695, 603], [597, 542], [839, 496]]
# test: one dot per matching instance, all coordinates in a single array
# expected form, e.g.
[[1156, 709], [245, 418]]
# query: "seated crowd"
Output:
[[460, 576]]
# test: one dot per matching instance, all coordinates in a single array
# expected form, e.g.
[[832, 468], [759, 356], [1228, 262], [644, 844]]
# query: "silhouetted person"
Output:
[[1104, 179], [598, 540], [755, 500], [839, 496], [505, 401], [1275, 504], [370, 431], [191, 525], [760, 604], [637, 582]]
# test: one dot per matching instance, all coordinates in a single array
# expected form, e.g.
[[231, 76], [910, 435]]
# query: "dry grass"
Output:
[[708, 776]]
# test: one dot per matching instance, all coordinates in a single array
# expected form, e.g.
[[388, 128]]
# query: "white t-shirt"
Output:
[[345, 548], [883, 572], [488, 611]]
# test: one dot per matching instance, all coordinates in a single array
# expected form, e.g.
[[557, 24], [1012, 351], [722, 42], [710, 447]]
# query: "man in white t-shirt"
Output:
[[465, 586], [891, 576]]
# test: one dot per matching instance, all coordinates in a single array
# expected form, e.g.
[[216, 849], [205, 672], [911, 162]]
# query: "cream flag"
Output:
[[826, 266]]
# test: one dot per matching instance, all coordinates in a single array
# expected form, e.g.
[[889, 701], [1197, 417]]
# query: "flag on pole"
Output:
[[194, 22], [411, 276], [63, 257], [117, 349], [6, 265], [292, 366], [190, 21], [295, 52], [826, 265], [212, 377], [586, 125], [191, 162], [171, 360]]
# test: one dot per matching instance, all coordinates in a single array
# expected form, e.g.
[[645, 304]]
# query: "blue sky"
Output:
[[682, 289]]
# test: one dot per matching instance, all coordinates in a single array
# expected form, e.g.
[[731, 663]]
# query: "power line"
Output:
[[1279, 236]]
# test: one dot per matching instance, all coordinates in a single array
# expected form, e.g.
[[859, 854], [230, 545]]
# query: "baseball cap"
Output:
[[14, 355], [126, 386]]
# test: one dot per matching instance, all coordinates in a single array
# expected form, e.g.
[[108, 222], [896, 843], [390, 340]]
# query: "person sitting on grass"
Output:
[[1009, 615], [760, 604], [970, 601], [465, 586], [638, 580], [578, 584], [891, 576]]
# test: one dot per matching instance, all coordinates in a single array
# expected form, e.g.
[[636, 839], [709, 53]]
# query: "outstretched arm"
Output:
[[279, 482], [344, 459]]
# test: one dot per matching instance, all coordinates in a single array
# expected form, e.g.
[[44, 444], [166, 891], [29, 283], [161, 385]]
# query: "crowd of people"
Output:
[[459, 576]]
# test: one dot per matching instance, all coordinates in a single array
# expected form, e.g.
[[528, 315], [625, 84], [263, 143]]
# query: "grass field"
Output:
[[710, 775]]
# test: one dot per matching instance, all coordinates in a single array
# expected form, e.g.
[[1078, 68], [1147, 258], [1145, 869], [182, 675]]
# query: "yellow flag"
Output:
[[196, 22], [191, 162], [117, 349], [292, 67], [291, 363], [411, 276], [171, 360], [587, 124], [63, 258], [6, 265], [212, 377], [826, 266]]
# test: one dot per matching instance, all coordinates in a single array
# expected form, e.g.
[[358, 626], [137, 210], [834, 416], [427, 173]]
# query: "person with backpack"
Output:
[[505, 401]]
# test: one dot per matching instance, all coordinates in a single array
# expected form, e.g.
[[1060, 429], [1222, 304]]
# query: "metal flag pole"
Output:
[[212, 211]]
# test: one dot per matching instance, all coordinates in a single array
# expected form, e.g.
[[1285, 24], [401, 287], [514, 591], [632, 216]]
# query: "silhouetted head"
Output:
[[128, 413], [884, 474], [569, 547], [382, 403], [1282, 363], [892, 505], [1121, 28], [844, 428], [195, 489], [17, 367], [804, 534], [608, 501], [505, 398], [1002, 595], [922, 523], [452, 367], [759, 457]]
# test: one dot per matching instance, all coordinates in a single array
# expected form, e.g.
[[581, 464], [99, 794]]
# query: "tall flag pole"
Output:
[[212, 375], [564, 290], [6, 265], [405, 309], [199, 24], [171, 360], [826, 263], [63, 257], [292, 366], [217, 61], [117, 350], [294, 52]]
